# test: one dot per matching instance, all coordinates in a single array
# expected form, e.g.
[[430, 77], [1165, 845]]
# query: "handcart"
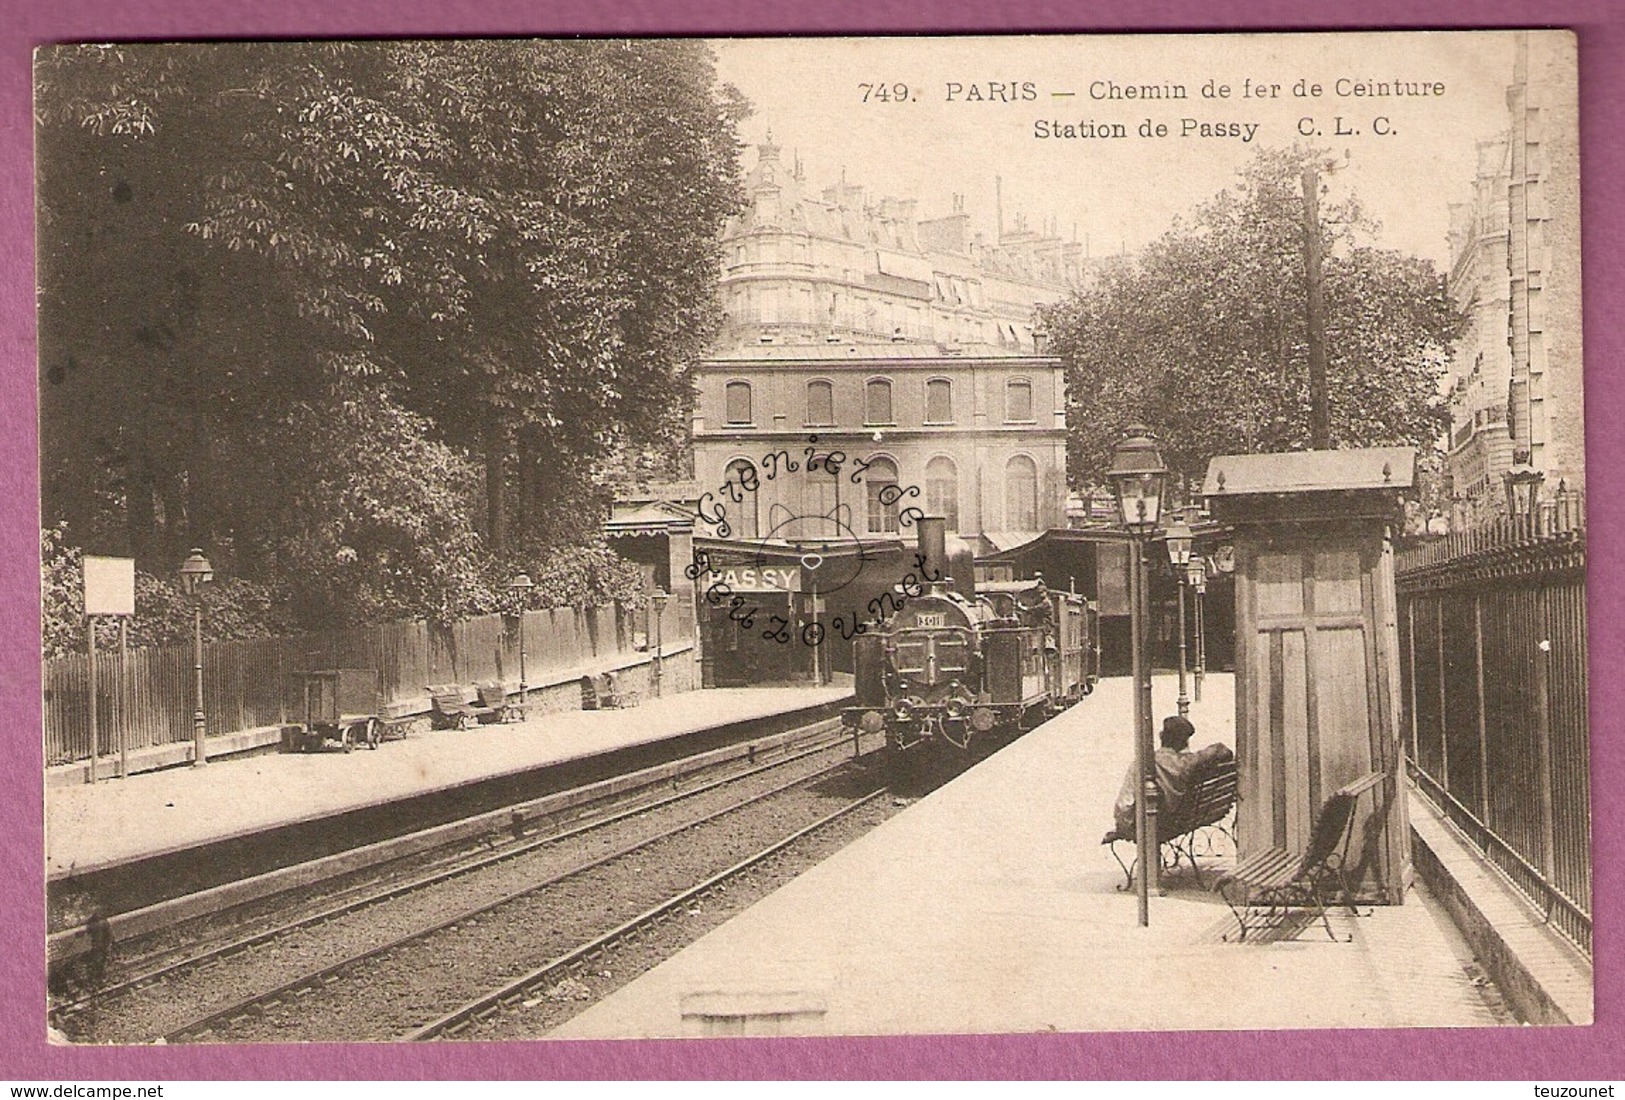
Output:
[[342, 705]]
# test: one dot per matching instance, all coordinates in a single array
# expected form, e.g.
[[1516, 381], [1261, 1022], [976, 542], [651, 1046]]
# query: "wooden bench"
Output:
[[604, 692], [1210, 806], [1276, 881], [493, 701], [459, 707]]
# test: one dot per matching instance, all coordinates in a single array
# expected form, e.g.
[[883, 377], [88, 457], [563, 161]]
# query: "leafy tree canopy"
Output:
[[1204, 338], [362, 319]]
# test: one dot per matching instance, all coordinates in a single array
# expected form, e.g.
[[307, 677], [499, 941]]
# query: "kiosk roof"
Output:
[[1311, 472]]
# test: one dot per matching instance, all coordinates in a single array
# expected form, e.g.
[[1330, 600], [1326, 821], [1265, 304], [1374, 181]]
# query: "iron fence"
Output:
[[1493, 670], [147, 694]]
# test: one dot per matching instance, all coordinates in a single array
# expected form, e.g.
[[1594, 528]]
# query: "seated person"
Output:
[[1179, 771]]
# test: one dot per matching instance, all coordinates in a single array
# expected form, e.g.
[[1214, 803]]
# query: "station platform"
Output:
[[92, 827], [991, 906]]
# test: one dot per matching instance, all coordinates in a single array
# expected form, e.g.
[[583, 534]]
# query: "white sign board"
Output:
[[109, 586], [764, 578]]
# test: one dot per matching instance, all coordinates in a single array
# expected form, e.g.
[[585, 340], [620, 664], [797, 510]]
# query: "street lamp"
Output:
[[520, 588], [1196, 573], [195, 573], [1178, 538], [1523, 490], [1138, 477], [659, 600]]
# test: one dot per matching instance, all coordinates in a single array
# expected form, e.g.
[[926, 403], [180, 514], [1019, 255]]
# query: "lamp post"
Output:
[[1197, 575], [1523, 491], [1178, 538], [659, 600], [1138, 476], [520, 588], [195, 573]]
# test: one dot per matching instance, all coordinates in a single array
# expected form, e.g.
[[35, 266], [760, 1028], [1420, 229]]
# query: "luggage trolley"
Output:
[[342, 705]]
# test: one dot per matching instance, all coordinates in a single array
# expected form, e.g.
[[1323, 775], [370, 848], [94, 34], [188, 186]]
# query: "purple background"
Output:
[[1537, 1053]]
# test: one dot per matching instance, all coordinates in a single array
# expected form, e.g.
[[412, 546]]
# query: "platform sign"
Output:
[[109, 586], [758, 578]]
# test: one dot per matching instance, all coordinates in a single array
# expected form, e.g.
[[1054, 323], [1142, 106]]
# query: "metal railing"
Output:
[[1493, 672], [1564, 515]]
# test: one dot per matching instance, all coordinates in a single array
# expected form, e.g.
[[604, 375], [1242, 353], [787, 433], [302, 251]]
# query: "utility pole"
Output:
[[1320, 430]]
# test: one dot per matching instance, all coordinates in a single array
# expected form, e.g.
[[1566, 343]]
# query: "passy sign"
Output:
[[763, 578]]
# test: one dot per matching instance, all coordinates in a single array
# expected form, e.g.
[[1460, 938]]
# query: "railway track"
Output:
[[383, 991], [87, 1017], [481, 1009]]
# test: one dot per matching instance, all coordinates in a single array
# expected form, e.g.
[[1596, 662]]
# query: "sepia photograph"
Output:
[[700, 538]]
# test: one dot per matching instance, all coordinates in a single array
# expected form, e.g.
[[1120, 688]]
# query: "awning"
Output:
[[656, 518]]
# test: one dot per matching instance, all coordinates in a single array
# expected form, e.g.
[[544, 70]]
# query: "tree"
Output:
[[281, 282], [606, 169], [1204, 336]]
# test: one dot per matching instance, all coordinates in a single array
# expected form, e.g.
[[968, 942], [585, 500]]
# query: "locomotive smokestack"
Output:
[[934, 545]]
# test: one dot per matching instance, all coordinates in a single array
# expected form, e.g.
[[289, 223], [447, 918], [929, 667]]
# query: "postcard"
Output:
[[654, 538]]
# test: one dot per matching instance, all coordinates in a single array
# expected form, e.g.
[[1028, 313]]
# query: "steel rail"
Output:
[[458, 1018], [206, 1023], [236, 946]]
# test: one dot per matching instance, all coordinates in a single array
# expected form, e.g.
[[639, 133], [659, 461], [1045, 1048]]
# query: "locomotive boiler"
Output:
[[962, 663]]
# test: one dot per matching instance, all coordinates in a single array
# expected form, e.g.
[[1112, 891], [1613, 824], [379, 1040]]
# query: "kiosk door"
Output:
[[1312, 706]]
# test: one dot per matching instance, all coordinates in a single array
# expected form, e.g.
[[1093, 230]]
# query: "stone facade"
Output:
[[1543, 245], [1518, 382], [978, 438], [908, 344], [1480, 446]]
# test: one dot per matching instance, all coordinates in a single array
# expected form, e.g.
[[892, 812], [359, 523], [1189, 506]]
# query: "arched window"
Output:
[[743, 517], [880, 485], [820, 495], [877, 402], [1018, 401], [738, 403], [942, 490], [820, 403], [939, 401], [1021, 494]]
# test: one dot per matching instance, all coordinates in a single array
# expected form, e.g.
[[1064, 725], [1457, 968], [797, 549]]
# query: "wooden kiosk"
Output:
[[1317, 650]]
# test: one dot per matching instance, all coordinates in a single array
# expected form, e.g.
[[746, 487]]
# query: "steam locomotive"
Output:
[[960, 663]]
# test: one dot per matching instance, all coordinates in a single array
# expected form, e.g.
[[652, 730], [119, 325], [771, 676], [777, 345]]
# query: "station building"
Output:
[[912, 343], [870, 362]]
